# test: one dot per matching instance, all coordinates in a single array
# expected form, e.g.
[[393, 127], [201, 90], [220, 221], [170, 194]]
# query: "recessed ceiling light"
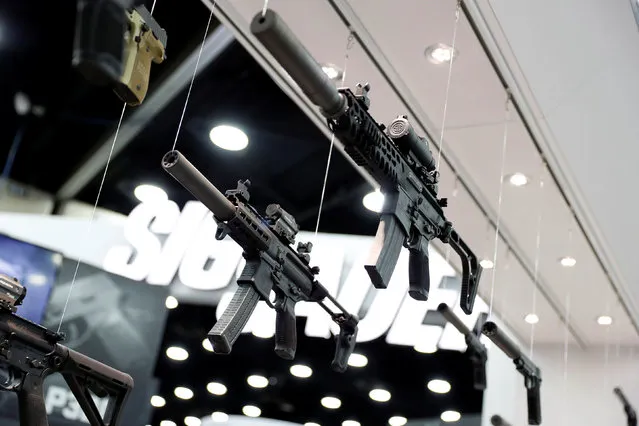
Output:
[[171, 302], [380, 395], [192, 421], [229, 138], [438, 386], [183, 393], [604, 320], [374, 201], [440, 53], [332, 71], [150, 194], [357, 360], [257, 381], [331, 402], [311, 424], [36, 279], [450, 416], [397, 421], [425, 347], [167, 423], [531, 319], [486, 264], [568, 261], [21, 103], [351, 423], [518, 179], [263, 330], [301, 371], [251, 411], [216, 388], [219, 417], [158, 401], [206, 344], [177, 353]]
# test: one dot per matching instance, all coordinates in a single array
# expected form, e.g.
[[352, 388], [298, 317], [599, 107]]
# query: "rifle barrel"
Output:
[[453, 319], [502, 341]]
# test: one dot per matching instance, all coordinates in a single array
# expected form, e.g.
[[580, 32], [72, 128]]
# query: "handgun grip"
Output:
[[31, 405], [285, 328], [534, 405], [228, 328], [385, 250], [418, 269], [479, 376]]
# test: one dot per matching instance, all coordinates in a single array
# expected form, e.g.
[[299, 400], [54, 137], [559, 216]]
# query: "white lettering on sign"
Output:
[[61, 400], [201, 262]]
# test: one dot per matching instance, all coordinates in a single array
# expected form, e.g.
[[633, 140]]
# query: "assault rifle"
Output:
[[271, 265], [631, 414], [29, 353], [530, 371], [396, 157]]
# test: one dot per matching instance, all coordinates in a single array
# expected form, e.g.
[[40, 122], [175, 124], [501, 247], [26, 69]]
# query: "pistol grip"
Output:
[[31, 406], [418, 270], [228, 328], [385, 250], [344, 347], [285, 328], [534, 406], [479, 376]]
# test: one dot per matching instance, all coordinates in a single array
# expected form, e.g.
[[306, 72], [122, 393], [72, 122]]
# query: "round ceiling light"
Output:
[[263, 330], [219, 417], [351, 423], [311, 424], [216, 388], [206, 344], [518, 179], [229, 138], [438, 386], [450, 416], [531, 319], [257, 381], [357, 360], [171, 302], [426, 347], [177, 353], [397, 421], [22, 103], [167, 423], [251, 411], [192, 421], [331, 402], [332, 71], [183, 393], [374, 201], [568, 261], [158, 401], [301, 371], [486, 264], [150, 194], [440, 53], [604, 320], [380, 395]]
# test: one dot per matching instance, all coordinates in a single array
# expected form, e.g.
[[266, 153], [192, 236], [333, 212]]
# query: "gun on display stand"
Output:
[[631, 414], [396, 157], [530, 371], [475, 350], [29, 353], [271, 265]]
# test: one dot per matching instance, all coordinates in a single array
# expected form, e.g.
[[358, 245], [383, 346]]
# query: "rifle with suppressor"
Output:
[[29, 353], [631, 414], [498, 420], [396, 157], [475, 350], [530, 371], [271, 265]]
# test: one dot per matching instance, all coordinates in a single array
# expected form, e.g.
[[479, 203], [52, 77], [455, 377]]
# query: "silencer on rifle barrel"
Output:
[[190, 178], [279, 40], [502, 341], [498, 421], [453, 319]]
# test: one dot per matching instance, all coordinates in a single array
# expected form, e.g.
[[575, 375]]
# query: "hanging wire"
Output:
[[502, 170], [448, 80], [350, 41], [264, 8], [540, 203]]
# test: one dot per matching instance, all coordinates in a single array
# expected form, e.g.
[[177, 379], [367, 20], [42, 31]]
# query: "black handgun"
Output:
[[631, 414], [396, 157], [530, 371], [115, 43], [271, 265], [29, 353], [498, 420], [475, 350]]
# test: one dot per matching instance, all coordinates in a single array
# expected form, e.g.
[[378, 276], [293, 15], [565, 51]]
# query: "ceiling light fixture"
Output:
[[397, 421], [216, 388], [517, 179], [150, 194], [311, 424], [206, 344], [301, 371], [604, 320], [440, 53], [263, 331], [177, 353], [450, 416], [568, 261], [531, 318], [357, 360], [374, 201], [333, 72], [36, 279], [487, 264], [251, 411], [351, 423], [438, 386], [426, 347], [183, 393], [171, 302], [380, 395], [331, 402], [257, 381], [21, 103], [219, 417], [158, 401], [167, 423], [192, 421], [228, 137]]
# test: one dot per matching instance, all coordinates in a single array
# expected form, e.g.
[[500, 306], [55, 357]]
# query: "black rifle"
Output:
[[475, 350], [271, 264], [530, 371], [497, 420], [631, 414], [396, 157], [29, 353]]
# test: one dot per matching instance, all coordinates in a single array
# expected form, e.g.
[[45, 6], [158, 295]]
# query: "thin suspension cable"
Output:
[[264, 8], [350, 41], [153, 6], [537, 257], [502, 172]]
